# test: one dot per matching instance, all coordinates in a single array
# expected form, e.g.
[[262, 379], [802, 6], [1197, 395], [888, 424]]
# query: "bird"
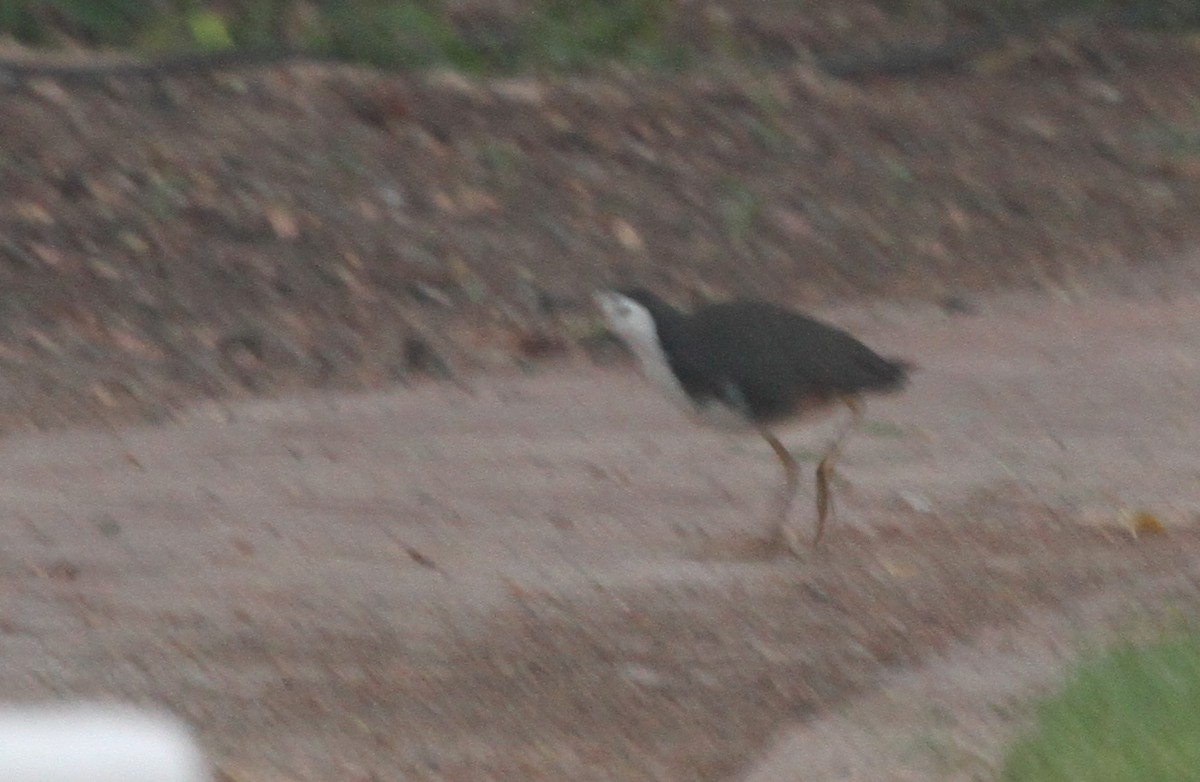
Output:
[[749, 363]]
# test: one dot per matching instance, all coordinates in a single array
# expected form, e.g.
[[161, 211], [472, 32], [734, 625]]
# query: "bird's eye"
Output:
[[623, 310]]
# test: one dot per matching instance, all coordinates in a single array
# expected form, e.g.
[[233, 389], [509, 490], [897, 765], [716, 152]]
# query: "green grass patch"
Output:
[[740, 209], [575, 34], [1132, 715], [532, 35], [555, 35], [392, 35]]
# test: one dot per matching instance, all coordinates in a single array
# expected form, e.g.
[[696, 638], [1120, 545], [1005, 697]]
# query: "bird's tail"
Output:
[[891, 374]]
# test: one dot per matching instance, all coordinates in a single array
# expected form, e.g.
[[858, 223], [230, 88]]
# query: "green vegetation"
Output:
[[558, 35], [1131, 716], [1016, 13], [390, 34], [569, 34], [108, 21], [550, 34], [740, 209], [1147, 13]]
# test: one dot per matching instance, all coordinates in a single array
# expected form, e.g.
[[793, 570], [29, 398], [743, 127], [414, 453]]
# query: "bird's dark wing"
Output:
[[768, 361], [690, 362]]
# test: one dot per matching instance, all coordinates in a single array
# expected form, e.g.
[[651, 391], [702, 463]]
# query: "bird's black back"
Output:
[[766, 360]]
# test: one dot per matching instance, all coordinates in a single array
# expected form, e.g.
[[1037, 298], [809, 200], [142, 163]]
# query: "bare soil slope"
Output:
[[251, 233]]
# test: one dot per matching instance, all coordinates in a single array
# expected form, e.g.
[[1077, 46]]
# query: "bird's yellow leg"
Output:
[[829, 460], [791, 480]]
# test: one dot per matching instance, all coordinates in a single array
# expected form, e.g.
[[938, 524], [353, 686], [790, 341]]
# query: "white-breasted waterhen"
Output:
[[754, 364]]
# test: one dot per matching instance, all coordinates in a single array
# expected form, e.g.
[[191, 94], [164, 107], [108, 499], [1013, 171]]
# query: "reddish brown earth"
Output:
[[274, 230], [555, 578]]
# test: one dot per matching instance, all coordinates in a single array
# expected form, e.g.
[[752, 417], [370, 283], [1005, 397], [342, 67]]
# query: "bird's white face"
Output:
[[629, 320], [634, 325]]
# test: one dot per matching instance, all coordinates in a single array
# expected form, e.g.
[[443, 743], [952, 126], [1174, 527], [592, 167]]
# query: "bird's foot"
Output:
[[786, 541]]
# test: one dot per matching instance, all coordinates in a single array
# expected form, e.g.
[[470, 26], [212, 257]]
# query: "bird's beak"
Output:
[[603, 300]]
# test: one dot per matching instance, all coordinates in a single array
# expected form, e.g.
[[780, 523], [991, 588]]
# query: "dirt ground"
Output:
[[554, 576]]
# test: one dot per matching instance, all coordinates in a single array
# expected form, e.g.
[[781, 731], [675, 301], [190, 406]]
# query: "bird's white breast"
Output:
[[635, 326], [657, 369]]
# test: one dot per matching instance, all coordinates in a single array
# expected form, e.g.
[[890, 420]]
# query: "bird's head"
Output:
[[628, 318]]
